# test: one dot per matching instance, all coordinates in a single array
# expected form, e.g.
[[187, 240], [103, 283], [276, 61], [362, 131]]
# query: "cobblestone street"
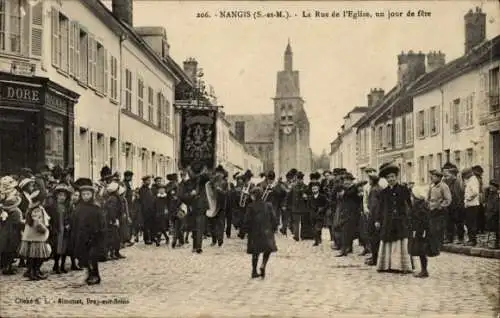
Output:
[[302, 281]]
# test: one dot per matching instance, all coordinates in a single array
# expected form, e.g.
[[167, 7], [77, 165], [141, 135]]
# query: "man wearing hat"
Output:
[[317, 205], [297, 204], [286, 206], [455, 214], [347, 216], [216, 223], [472, 204], [371, 206], [439, 199], [129, 195], [146, 199]]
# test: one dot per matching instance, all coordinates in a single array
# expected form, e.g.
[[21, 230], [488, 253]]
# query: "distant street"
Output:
[[302, 281]]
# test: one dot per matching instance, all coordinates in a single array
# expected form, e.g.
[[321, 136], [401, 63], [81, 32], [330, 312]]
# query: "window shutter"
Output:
[[25, 29], [55, 37], [94, 64], [76, 59], [106, 75], [71, 48], [90, 57], [438, 119]]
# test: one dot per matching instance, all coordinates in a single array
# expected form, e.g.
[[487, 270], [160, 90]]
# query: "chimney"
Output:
[[375, 96], [191, 68], [122, 10], [435, 60], [410, 66], [475, 28], [156, 38]]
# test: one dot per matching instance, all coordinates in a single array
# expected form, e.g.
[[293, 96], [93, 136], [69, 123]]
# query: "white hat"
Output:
[[419, 192], [112, 187], [7, 184], [121, 190], [25, 182]]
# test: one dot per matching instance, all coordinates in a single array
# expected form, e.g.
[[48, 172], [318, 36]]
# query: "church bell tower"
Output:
[[291, 133]]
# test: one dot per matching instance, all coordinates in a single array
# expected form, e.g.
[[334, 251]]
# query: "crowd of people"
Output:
[[49, 215]]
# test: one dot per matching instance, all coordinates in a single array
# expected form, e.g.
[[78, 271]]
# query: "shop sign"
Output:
[[20, 93]]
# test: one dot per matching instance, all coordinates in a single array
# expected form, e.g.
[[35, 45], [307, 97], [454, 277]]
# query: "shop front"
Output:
[[36, 123]]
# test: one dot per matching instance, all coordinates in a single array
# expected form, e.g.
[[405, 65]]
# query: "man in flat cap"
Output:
[[439, 200], [297, 203], [455, 216]]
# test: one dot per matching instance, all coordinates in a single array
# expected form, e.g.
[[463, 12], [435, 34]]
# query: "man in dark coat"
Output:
[[455, 214], [298, 203], [194, 195], [146, 200], [158, 181], [328, 189], [348, 212], [287, 207], [129, 195], [317, 205]]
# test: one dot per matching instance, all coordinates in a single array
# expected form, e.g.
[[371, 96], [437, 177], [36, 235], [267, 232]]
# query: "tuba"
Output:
[[212, 199]]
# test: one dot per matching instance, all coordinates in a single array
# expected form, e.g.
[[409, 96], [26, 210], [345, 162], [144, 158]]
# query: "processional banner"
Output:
[[198, 137]]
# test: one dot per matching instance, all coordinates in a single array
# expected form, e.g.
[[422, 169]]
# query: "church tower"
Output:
[[291, 125]]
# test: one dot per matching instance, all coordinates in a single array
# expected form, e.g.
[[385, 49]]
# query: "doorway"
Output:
[[15, 146], [495, 154]]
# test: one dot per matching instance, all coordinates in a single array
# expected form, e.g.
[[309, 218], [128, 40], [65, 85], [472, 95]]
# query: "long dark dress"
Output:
[[60, 227], [260, 224], [88, 232]]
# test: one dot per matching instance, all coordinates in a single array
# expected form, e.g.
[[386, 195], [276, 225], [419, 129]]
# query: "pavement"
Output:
[[301, 281]]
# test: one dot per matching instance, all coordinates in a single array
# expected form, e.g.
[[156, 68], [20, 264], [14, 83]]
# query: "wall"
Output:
[[462, 141], [101, 130]]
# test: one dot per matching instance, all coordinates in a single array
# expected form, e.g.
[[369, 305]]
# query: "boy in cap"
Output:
[[146, 199], [455, 216], [439, 199]]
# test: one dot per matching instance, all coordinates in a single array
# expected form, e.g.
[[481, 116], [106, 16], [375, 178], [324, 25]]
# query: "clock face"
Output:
[[287, 130]]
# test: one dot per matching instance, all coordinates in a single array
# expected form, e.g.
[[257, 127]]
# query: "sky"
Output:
[[339, 59]]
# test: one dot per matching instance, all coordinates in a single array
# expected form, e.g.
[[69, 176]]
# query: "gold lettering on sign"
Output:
[[23, 93]]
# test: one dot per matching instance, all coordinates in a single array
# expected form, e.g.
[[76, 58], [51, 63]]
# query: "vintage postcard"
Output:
[[164, 158]]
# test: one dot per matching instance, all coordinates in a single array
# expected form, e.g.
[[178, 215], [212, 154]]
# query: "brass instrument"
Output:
[[267, 191], [245, 192], [210, 190]]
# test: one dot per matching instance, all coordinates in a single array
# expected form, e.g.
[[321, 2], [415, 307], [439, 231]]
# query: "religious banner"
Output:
[[198, 133]]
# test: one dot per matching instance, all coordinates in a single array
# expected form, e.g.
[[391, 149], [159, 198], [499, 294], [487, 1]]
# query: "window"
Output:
[[409, 128], [60, 34], [468, 112], [421, 169], [159, 110], [389, 135], [151, 107], [380, 136], [421, 124], [140, 97], [128, 90], [48, 138], [439, 160], [101, 69], [494, 91], [469, 158], [457, 159], [114, 78], [399, 132], [10, 26], [455, 115], [434, 120], [239, 130], [83, 53], [21, 27], [167, 116], [430, 162]]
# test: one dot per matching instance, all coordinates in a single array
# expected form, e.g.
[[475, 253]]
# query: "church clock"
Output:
[[287, 130]]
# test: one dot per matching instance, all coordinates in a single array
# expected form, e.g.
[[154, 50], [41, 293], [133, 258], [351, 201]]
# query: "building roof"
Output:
[[357, 109], [476, 57], [259, 128], [122, 29]]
